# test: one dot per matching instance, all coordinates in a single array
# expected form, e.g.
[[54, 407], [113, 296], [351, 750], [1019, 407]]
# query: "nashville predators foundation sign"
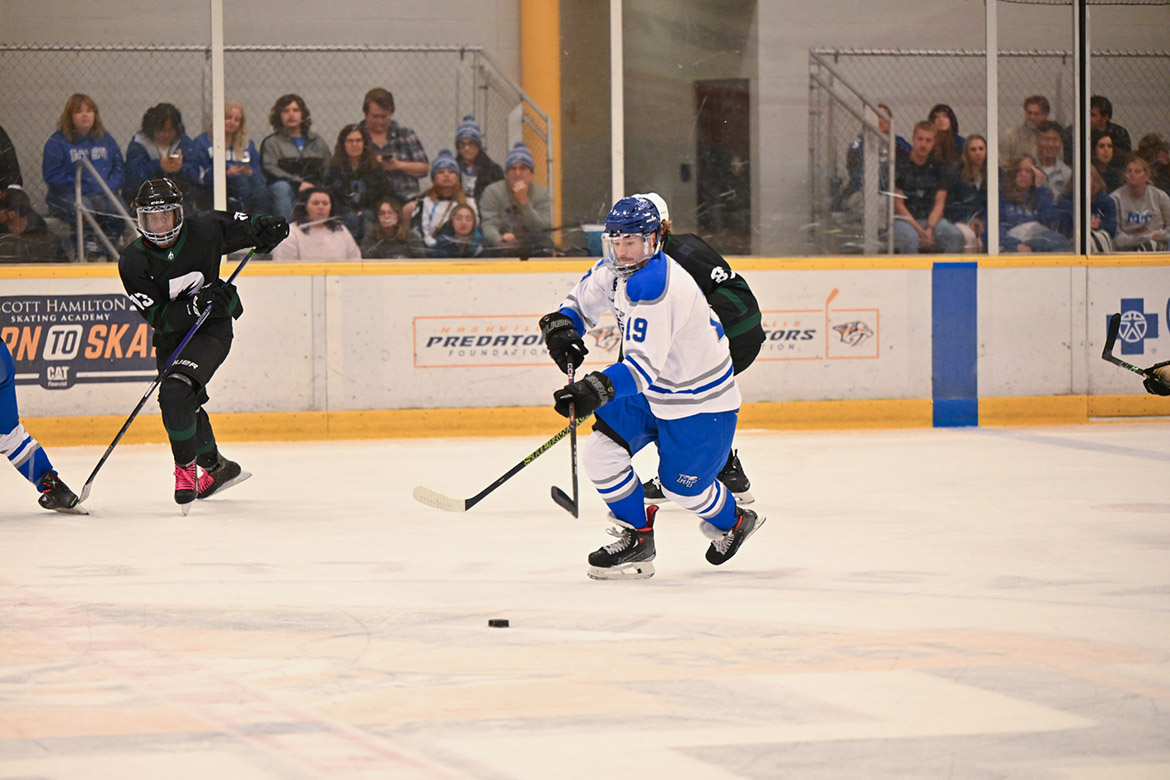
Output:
[[58, 341]]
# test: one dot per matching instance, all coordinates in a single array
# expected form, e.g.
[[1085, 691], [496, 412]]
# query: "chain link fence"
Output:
[[434, 87]]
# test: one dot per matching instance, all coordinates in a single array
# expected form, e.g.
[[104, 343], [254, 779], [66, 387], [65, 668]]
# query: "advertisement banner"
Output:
[[58, 341]]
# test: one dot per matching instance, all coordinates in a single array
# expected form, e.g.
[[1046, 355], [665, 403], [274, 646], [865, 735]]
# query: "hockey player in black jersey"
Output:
[[171, 274], [729, 295]]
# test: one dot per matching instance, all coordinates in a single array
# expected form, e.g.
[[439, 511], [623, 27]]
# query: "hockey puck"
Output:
[[498, 623]]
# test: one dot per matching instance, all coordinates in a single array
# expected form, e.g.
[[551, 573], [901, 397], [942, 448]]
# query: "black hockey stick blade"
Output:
[[434, 498], [1111, 340]]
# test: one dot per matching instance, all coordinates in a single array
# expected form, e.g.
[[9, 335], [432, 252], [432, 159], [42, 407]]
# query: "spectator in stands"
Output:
[[438, 203], [966, 206], [24, 236], [246, 188], [1021, 140], [9, 165], [476, 169], [855, 156], [461, 236], [920, 186], [1103, 223], [356, 179], [1155, 151], [162, 150], [388, 236], [293, 157], [517, 212], [316, 233], [1143, 211], [80, 133], [1027, 212], [1108, 163], [397, 148], [948, 144], [1053, 173], [1101, 121]]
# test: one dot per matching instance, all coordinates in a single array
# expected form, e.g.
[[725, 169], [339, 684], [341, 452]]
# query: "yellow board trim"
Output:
[[543, 421]]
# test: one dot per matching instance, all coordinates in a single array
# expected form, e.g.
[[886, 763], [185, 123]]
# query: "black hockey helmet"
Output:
[[160, 211]]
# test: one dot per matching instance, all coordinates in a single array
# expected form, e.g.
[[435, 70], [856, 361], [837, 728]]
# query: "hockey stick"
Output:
[[157, 380], [1110, 340], [439, 501], [558, 495]]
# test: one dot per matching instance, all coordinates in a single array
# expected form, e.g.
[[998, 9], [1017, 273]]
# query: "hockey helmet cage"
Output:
[[632, 233], [159, 207]]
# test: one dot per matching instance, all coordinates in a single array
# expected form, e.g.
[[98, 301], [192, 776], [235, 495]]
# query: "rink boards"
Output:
[[341, 350]]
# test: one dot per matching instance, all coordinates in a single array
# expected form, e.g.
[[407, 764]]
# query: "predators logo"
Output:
[[853, 333], [608, 338]]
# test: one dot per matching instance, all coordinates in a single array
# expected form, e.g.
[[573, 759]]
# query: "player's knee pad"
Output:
[[177, 396], [608, 465], [707, 503]]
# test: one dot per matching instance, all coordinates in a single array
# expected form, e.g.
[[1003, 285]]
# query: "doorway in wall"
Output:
[[723, 176]]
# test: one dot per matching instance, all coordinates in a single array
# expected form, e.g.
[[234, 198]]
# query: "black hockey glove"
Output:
[[268, 231], [564, 344], [587, 395], [1157, 385], [220, 297]]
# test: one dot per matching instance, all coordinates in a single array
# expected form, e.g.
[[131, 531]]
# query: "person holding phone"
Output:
[[162, 149]]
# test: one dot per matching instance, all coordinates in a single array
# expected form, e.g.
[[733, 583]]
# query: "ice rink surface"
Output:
[[965, 603]]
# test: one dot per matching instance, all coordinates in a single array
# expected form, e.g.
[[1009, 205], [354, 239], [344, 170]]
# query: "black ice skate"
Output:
[[653, 490], [185, 485], [221, 476], [57, 496], [725, 544], [630, 556], [735, 480]]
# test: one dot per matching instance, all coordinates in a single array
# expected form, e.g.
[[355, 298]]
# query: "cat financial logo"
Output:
[[58, 341], [1137, 325]]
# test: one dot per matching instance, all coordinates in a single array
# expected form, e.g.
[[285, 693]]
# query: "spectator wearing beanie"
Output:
[[438, 203], [516, 213], [477, 169]]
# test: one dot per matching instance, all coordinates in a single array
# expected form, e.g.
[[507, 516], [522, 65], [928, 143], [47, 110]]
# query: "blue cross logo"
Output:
[[1136, 326]]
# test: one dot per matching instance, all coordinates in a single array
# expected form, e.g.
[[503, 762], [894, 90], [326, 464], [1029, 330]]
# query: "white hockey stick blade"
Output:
[[438, 500]]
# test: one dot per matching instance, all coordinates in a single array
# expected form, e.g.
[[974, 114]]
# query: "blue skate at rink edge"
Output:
[[926, 603]]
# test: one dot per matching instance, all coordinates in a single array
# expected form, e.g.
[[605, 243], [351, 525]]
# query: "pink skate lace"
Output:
[[205, 482], [184, 477]]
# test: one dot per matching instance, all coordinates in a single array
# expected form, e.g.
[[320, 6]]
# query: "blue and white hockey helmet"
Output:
[[632, 234]]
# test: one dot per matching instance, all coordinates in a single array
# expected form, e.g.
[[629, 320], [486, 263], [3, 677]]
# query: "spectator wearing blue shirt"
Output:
[[246, 188], [1027, 212], [161, 149], [80, 134]]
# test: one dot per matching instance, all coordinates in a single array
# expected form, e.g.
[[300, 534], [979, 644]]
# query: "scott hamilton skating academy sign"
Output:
[[61, 340]]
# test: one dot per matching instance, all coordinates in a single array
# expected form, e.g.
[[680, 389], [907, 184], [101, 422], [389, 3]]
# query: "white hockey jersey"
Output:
[[673, 346]]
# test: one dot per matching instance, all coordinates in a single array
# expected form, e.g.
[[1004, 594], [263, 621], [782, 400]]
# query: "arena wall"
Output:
[[337, 350]]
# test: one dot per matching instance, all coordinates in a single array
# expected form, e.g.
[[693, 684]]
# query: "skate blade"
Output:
[[237, 480], [76, 509], [185, 508], [642, 570]]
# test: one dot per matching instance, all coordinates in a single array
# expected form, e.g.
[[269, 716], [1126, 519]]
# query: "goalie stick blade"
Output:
[[1111, 340], [438, 500], [563, 500]]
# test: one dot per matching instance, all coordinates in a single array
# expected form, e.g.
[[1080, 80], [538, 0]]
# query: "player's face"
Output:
[[291, 117], [378, 119], [83, 119], [158, 221], [232, 122], [629, 248], [318, 207]]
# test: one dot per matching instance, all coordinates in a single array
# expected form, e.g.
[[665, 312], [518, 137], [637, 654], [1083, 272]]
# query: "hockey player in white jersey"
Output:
[[674, 386]]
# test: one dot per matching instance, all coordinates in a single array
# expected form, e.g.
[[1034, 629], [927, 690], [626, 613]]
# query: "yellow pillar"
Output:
[[540, 78]]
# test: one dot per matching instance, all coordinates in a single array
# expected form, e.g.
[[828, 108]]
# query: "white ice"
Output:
[[971, 603]]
